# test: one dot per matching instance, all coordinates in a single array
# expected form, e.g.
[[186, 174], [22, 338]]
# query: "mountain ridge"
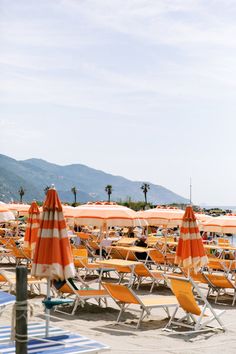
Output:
[[35, 174]]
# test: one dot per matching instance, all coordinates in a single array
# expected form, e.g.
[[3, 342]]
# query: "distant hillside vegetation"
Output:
[[35, 174]]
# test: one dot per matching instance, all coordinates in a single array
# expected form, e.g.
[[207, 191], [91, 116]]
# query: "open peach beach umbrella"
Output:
[[111, 214], [169, 217], [52, 258], [31, 232], [19, 209], [190, 253], [223, 224], [5, 213]]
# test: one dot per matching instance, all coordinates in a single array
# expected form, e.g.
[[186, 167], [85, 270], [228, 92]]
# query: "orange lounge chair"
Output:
[[220, 283], [124, 297], [10, 281], [196, 318], [81, 295], [142, 272]]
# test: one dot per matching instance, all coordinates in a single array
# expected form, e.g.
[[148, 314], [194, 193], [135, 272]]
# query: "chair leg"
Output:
[[140, 319], [122, 306]]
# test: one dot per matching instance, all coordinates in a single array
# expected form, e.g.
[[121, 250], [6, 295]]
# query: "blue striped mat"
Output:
[[59, 341], [35, 329]]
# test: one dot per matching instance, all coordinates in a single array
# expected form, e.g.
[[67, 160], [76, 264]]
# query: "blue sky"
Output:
[[139, 88]]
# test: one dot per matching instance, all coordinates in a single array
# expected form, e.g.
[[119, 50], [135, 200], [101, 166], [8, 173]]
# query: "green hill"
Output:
[[35, 174]]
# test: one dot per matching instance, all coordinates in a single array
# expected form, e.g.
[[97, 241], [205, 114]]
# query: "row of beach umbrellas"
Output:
[[106, 215]]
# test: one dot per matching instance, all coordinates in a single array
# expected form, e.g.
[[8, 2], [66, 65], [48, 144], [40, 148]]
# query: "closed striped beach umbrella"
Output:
[[53, 258], [190, 253], [31, 232]]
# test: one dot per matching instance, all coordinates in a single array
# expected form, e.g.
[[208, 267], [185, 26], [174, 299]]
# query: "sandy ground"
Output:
[[99, 324]]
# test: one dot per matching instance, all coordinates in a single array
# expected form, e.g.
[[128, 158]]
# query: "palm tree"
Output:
[[108, 189], [74, 191], [145, 187], [21, 192], [46, 189]]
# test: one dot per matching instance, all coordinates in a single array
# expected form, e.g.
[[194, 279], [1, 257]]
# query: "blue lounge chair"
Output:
[[5, 300], [64, 344], [35, 330]]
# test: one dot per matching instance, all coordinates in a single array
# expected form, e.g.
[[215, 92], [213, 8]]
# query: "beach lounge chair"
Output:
[[219, 264], [5, 300], [10, 280], [80, 295], [159, 259], [124, 297], [142, 272], [196, 318], [220, 283]]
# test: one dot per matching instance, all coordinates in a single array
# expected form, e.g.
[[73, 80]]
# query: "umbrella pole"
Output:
[[47, 311], [100, 245], [165, 249]]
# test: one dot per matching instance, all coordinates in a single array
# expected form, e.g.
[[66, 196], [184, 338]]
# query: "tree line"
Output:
[[145, 187]]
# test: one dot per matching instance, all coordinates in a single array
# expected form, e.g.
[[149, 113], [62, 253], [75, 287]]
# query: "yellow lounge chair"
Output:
[[81, 261], [197, 318], [81, 295], [141, 272], [218, 283], [10, 280], [124, 297]]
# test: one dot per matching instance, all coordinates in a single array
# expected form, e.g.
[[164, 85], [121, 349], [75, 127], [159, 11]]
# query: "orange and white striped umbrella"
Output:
[[190, 253], [53, 258], [5, 213], [31, 232]]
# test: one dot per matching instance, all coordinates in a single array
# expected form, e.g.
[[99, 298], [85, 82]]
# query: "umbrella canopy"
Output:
[[68, 211], [53, 258], [20, 209], [190, 253], [31, 232], [221, 224], [98, 214], [5, 214], [170, 217]]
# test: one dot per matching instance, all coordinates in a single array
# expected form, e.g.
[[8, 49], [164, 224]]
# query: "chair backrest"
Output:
[[83, 235], [140, 270], [19, 252], [80, 257], [223, 241], [66, 289], [121, 293], [126, 241], [5, 278], [219, 281], [114, 253], [182, 289], [156, 256], [198, 277], [125, 253], [152, 240], [216, 264]]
